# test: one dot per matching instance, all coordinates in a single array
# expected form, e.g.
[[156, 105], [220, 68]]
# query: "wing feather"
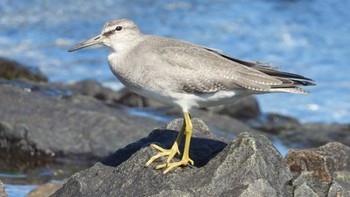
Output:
[[205, 70]]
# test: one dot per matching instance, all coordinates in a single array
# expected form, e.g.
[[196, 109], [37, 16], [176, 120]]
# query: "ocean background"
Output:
[[308, 37]]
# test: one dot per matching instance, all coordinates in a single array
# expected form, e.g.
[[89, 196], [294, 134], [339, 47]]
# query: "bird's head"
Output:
[[114, 34]]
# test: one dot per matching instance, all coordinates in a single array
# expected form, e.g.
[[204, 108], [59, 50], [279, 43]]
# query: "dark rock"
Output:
[[46, 189], [12, 70], [36, 122], [16, 151], [247, 166], [131, 99], [274, 123], [122, 97], [224, 125], [323, 161], [314, 135], [243, 109], [297, 135], [94, 89], [2, 190]]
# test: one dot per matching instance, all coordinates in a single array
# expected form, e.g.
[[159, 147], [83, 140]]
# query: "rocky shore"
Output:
[[104, 135]]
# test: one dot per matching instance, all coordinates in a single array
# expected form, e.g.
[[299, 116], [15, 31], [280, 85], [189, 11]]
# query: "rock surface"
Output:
[[41, 120], [123, 97], [323, 171], [246, 166], [13, 70], [340, 185], [315, 134], [323, 161], [297, 135]]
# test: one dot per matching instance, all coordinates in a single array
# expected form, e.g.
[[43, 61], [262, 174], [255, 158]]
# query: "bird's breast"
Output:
[[127, 73]]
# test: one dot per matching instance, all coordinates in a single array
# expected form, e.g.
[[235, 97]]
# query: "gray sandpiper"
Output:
[[187, 75]]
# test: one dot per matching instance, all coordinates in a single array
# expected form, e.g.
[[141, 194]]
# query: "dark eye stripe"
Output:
[[108, 33]]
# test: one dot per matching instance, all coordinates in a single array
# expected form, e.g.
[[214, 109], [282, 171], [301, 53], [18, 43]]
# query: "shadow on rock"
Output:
[[165, 138]]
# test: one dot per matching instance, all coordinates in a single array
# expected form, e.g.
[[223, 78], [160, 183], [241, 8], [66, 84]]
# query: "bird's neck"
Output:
[[125, 45]]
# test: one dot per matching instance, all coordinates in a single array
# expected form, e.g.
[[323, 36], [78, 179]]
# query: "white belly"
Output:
[[191, 100]]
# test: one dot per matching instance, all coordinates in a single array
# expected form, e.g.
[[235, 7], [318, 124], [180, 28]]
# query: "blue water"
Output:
[[18, 190], [307, 37]]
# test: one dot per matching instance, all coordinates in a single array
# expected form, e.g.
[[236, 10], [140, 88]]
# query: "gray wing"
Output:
[[198, 69], [203, 71], [290, 81]]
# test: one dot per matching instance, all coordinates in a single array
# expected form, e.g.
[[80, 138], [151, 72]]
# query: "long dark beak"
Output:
[[92, 41]]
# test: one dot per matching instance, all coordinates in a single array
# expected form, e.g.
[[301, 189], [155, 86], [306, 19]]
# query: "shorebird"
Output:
[[184, 74]]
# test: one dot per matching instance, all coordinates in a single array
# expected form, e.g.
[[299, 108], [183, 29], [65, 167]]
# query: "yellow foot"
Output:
[[169, 166], [170, 153], [164, 152]]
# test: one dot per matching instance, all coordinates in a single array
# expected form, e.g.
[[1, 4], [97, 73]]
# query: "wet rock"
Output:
[[297, 135], [46, 189], [246, 166], [13, 70], [37, 122], [16, 151], [2, 190]]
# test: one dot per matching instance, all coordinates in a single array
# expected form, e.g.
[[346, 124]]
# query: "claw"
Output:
[[164, 152], [169, 166], [183, 162], [170, 153], [161, 166]]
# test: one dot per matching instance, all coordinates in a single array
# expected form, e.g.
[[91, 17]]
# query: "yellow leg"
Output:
[[185, 157], [168, 152], [186, 129]]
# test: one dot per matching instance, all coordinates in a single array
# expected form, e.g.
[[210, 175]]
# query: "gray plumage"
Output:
[[186, 74]]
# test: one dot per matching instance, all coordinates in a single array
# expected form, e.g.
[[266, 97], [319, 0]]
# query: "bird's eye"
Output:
[[118, 28]]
